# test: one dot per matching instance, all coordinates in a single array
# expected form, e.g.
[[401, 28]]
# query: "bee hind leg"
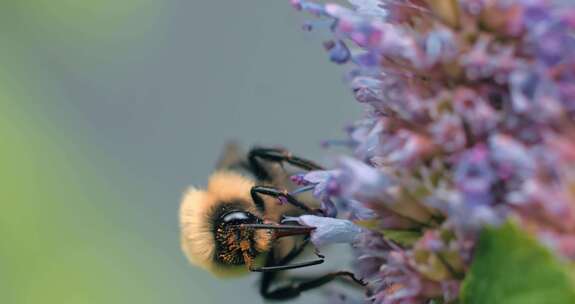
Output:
[[299, 285]]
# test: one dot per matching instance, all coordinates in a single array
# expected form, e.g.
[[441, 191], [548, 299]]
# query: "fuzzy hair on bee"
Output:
[[226, 191], [234, 225]]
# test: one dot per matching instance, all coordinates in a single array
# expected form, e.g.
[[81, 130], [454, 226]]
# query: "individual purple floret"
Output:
[[469, 122], [328, 230]]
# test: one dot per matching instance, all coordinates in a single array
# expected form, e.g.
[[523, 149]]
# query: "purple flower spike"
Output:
[[328, 208], [370, 8], [367, 89], [338, 51], [511, 157], [324, 182], [469, 121], [311, 7], [475, 110], [449, 133], [474, 173], [359, 179]]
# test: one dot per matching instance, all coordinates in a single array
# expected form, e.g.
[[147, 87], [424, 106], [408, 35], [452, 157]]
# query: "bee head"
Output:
[[212, 235], [236, 243]]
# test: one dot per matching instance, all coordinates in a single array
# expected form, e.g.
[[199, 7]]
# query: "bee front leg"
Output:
[[279, 156], [283, 195]]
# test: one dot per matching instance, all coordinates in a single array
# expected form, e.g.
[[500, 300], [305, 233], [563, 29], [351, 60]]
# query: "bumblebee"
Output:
[[234, 226]]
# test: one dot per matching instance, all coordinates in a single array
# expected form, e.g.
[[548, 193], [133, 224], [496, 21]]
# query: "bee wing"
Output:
[[232, 156]]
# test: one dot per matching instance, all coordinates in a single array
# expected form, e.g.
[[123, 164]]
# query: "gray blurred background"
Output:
[[144, 95]]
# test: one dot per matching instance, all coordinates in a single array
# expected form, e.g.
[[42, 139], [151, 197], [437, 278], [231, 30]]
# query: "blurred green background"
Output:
[[110, 109]]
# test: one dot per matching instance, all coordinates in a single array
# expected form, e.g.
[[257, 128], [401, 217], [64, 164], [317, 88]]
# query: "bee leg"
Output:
[[279, 156], [284, 262], [264, 190], [294, 252], [296, 287], [268, 278]]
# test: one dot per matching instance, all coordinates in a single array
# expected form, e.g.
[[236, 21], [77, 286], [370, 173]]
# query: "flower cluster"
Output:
[[470, 121]]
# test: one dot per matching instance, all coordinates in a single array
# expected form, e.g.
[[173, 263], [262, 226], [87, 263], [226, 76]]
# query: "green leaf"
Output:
[[512, 268]]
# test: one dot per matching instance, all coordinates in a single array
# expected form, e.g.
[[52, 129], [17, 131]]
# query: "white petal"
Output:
[[330, 230]]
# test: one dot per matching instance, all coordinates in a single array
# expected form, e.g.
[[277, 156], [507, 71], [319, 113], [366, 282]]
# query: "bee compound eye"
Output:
[[239, 217]]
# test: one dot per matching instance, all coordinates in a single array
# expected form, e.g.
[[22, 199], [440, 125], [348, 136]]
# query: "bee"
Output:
[[234, 226]]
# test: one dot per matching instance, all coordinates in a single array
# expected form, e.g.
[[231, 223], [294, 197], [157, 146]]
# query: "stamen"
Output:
[[302, 189]]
